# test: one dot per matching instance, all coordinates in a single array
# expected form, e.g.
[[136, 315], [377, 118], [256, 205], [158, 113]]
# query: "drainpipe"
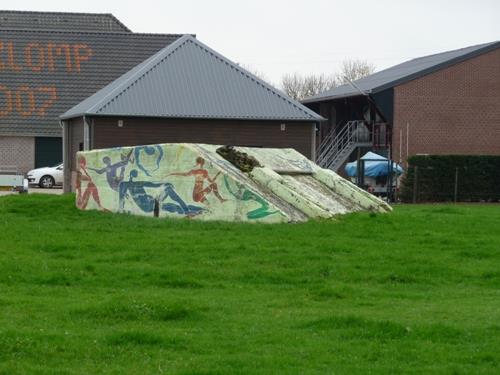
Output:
[[368, 97], [86, 134], [66, 156], [316, 125]]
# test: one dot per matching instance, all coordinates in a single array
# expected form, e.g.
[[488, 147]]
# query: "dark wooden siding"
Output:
[[136, 131]]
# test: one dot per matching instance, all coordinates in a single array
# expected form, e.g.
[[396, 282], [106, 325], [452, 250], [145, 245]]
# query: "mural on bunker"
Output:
[[169, 180]]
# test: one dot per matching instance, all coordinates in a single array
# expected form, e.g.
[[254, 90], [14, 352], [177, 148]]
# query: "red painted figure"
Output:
[[91, 190], [200, 175]]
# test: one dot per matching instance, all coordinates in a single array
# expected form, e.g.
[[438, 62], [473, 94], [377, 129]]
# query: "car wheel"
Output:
[[46, 182]]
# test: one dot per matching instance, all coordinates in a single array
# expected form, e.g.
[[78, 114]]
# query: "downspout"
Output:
[[316, 129], [66, 156], [372, 102], [86, 134], [368, 97]]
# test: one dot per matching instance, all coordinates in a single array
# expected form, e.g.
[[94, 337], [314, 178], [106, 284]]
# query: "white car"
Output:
[[46, 177]]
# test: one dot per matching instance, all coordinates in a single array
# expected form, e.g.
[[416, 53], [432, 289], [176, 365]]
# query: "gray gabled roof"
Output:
[[29, 20], [404, 72], [187, 79]]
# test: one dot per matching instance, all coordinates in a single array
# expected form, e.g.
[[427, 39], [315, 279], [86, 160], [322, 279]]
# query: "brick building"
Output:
[[448, 103], [49, 62]]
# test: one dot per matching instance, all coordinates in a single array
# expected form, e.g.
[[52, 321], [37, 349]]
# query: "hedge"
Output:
[[477, 177]]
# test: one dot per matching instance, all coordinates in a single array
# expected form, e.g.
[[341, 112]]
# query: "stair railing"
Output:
[[334, 145]]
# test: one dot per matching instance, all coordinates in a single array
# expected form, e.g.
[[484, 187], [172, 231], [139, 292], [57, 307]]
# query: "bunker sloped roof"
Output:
[[404, 72], [29, 20], [187, 79]]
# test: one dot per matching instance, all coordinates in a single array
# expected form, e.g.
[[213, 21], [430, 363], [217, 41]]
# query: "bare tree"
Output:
[[352, 69], [299, 87], [293, 85]]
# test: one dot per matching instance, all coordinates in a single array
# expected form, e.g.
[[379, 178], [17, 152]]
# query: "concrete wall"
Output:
[[184, 182], [452, 111], [192, 180], [18, 151]]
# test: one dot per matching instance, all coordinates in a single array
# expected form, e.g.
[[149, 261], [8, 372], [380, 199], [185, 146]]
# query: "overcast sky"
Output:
[[314, 36]]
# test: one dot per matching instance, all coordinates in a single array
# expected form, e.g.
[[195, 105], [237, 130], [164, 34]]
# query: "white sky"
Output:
[[285, 36]]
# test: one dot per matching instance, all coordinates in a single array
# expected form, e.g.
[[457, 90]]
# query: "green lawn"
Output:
[[412, 292]]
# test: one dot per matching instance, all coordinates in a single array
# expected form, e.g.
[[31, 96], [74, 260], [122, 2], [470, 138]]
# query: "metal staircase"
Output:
[[336, 148]]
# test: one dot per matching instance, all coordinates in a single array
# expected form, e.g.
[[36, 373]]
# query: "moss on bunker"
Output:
[[242, 160]]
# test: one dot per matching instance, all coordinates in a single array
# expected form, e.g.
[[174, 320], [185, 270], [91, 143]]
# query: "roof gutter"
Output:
[[335, 97]]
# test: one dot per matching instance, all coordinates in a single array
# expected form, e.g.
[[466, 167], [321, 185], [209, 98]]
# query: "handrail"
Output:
[[332, 146], [329, 142]]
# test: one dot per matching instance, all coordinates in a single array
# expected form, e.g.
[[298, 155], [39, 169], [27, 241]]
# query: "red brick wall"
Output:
[[453, 111]]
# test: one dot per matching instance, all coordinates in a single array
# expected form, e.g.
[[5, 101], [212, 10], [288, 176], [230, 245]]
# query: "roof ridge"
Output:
[[172, 48], [452, 50], [63, 31], [55, 13], [51, 12]]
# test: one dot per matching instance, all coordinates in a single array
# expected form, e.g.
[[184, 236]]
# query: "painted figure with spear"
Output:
[[200, 191]]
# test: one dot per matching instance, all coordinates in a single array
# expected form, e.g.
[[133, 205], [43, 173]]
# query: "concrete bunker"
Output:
[[210, 182]]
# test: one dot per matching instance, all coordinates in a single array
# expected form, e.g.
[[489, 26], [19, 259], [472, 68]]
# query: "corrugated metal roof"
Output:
[[404, 72], [64, 68], [189, 80], [103, 22]]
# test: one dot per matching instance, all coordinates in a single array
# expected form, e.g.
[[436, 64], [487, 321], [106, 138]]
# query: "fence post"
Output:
[[415, 184], [156, 208], [455, 195]]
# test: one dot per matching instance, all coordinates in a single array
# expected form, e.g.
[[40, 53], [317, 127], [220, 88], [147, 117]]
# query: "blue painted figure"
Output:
[[149, 150], [111, 170], [136, 191]]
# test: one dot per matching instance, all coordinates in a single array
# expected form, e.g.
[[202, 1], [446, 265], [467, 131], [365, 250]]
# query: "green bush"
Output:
[[478, 178]]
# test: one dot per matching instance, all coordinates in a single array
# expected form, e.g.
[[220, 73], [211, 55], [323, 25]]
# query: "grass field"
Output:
[[412, 292]]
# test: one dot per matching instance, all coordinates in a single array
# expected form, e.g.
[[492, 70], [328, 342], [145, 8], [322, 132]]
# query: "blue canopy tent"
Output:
[[375, 166]]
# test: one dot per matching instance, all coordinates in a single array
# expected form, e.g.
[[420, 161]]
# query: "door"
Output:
[[48, 151]]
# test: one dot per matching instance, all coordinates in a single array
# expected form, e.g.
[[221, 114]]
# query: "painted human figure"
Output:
[[200, 174], [243, 194], [82, 198], [146, 202], [111, 170], [148, 150]]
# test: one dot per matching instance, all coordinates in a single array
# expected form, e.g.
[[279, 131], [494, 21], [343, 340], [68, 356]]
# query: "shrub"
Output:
[[477, 176]]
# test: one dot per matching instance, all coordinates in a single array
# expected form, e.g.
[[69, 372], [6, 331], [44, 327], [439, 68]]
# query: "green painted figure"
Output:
[[246, 195]]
